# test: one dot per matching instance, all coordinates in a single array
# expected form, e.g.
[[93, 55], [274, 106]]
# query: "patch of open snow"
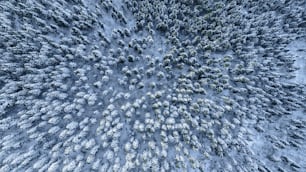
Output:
[[298, 51]]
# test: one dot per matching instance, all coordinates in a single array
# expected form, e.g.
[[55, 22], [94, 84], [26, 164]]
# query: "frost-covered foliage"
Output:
[[152, 85]]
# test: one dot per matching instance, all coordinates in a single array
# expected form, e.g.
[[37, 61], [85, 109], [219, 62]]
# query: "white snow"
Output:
[[298, 51]]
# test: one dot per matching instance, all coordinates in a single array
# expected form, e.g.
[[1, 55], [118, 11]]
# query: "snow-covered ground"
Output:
[[298, 51]]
